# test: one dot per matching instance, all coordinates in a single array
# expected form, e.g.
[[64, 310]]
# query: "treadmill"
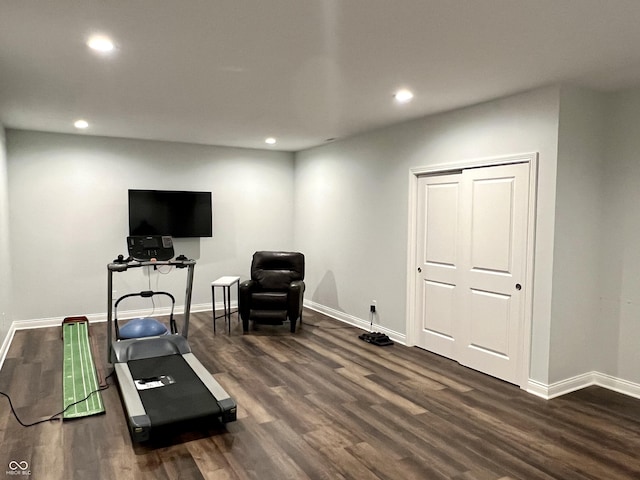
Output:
[[161, 382]]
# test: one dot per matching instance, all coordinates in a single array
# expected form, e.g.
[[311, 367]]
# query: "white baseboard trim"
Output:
[[355, 321], [102, 317], [562, 387], [5, 344], [584, 380], [534, 387], [619, 385], [93, 318]]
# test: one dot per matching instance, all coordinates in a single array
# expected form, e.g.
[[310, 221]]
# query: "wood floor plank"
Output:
[[302, 452], [345, 417], [350, 466], [384, 467], [388, 395], [322, 404], [437, 458], [248, 404]]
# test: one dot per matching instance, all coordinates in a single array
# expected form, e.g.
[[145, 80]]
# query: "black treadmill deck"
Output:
[[180, 397]]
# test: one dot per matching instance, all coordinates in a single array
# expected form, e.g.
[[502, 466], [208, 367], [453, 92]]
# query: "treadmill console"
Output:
[[145, 248]]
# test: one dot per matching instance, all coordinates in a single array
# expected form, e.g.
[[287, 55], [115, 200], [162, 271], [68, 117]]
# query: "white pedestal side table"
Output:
[[225, 283]]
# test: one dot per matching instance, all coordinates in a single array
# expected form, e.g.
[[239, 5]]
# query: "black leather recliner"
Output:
[[276, 289]]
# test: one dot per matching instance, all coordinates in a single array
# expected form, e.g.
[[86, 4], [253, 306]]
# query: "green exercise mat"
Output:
[[79, 378]]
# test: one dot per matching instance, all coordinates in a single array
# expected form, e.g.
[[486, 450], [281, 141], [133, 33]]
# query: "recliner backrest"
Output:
[[276, 270]]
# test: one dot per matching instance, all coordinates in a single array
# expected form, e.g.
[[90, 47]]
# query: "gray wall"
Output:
[[68, 216], [352, 205], [345, 205], [579, 344], [5, 257], [620, 247]]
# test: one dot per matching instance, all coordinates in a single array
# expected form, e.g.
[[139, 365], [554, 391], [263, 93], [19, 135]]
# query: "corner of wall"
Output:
[[5, 257], [577, 229]]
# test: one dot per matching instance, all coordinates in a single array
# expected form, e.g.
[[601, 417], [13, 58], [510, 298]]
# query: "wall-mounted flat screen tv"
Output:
[[170, 212]]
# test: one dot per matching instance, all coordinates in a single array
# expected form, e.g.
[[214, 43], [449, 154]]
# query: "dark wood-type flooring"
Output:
[[321, 404]]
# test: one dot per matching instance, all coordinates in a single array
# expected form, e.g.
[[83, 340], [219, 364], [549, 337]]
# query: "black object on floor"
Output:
[[376, 338]]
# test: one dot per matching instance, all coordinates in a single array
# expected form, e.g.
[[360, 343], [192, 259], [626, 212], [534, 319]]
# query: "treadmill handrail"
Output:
[[145, 294], [124, 266], [121, 266]]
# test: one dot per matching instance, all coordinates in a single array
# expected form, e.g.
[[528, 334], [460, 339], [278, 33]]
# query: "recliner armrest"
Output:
[[244, 297], [249, 284], [297, 286], [296, 292]]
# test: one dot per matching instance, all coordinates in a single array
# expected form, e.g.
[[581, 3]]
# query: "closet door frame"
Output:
[[412, 323]]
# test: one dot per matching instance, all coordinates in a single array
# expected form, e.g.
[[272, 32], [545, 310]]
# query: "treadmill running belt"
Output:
[[182, 397]]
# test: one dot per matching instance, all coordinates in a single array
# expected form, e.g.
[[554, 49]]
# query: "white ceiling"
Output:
[[232, 72]]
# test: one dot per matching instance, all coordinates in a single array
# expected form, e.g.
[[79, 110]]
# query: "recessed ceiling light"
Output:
[[270, 140], [100, 43], [81, 124], [403, 95]]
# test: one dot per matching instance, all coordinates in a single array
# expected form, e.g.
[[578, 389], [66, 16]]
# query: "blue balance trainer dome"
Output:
[[142, 327]]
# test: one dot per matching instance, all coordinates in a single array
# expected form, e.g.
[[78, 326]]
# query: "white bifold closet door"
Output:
[[471, 251]]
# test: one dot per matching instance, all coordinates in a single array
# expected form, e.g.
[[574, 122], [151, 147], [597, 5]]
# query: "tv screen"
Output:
[[168, 212]]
